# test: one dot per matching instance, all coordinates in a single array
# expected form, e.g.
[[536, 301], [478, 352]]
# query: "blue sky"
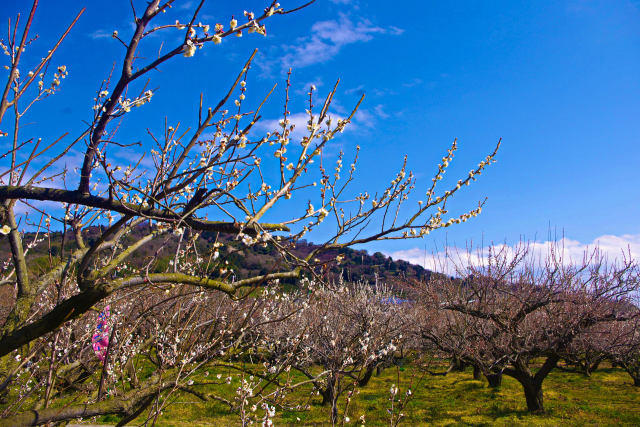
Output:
[[558, 81]]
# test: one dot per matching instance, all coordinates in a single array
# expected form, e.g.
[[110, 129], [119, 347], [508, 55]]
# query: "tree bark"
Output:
[[594, 366], [533, 394], [532, 388], [477, 373], [494, 379], [85, 199], [366, 377], [457, 364], [125, 405], [532, 384], [330, 396], [635, 375]]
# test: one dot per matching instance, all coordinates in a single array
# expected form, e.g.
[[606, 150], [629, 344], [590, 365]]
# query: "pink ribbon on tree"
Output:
[[100, 339]]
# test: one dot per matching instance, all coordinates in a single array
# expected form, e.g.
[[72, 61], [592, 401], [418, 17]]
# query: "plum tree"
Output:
[[511, 312]]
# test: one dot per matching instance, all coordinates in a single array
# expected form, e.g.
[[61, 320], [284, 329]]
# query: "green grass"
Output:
[[606, 398]]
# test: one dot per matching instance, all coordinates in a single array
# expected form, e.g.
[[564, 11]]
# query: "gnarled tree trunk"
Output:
[[494, 379], [533, 395], [532, 384]]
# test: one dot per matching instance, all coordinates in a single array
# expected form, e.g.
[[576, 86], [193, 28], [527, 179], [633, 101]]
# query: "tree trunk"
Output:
[[128, 403], [633, 371], [327, 395], [532, 384], [590, 365], [366, 377], [457, 364], [477, 373], [330, 396], [134, 414], [494, 379], [131, 371], [635, 376], [533, 394]]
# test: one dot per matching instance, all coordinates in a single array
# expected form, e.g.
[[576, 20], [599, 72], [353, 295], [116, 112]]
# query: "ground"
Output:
[[606, 398]]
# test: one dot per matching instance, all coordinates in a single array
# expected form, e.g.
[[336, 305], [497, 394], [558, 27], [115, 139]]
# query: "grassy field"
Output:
[[606, 398]]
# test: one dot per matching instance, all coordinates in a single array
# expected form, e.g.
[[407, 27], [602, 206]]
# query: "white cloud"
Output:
[[383, 92], [363, 119], [380, 111], [101, 34], [359, 88], [328, 38], [303, 89], [300, 121], [451, 259], [297, 119], [413, 82]]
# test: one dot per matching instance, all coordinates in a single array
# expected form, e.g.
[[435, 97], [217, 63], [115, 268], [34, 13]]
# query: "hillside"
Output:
[[245, 262]]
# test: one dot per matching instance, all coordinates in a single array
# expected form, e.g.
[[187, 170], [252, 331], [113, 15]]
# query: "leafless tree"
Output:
[[345, 329], [512, 310], [589, 349], [620, 343]]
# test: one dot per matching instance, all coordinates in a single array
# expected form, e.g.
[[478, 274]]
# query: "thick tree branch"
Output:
[[77, 197]]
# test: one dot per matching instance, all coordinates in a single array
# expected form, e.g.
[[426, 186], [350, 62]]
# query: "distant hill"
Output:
[[246, 262]]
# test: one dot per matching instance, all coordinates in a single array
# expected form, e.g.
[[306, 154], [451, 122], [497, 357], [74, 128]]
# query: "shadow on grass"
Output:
[[291, 417], [214, 411], [470, 385], [497, 410], [110, 419], [369, 397]]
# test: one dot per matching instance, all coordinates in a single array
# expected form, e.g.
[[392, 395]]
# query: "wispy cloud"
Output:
[[451, 259], [358, 89], [383, 92], [364, 118], [364, 121], [413, 82], [380, 111], [328, 38], [300, 120], [101, 34], [303, 88], [186, 5]]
